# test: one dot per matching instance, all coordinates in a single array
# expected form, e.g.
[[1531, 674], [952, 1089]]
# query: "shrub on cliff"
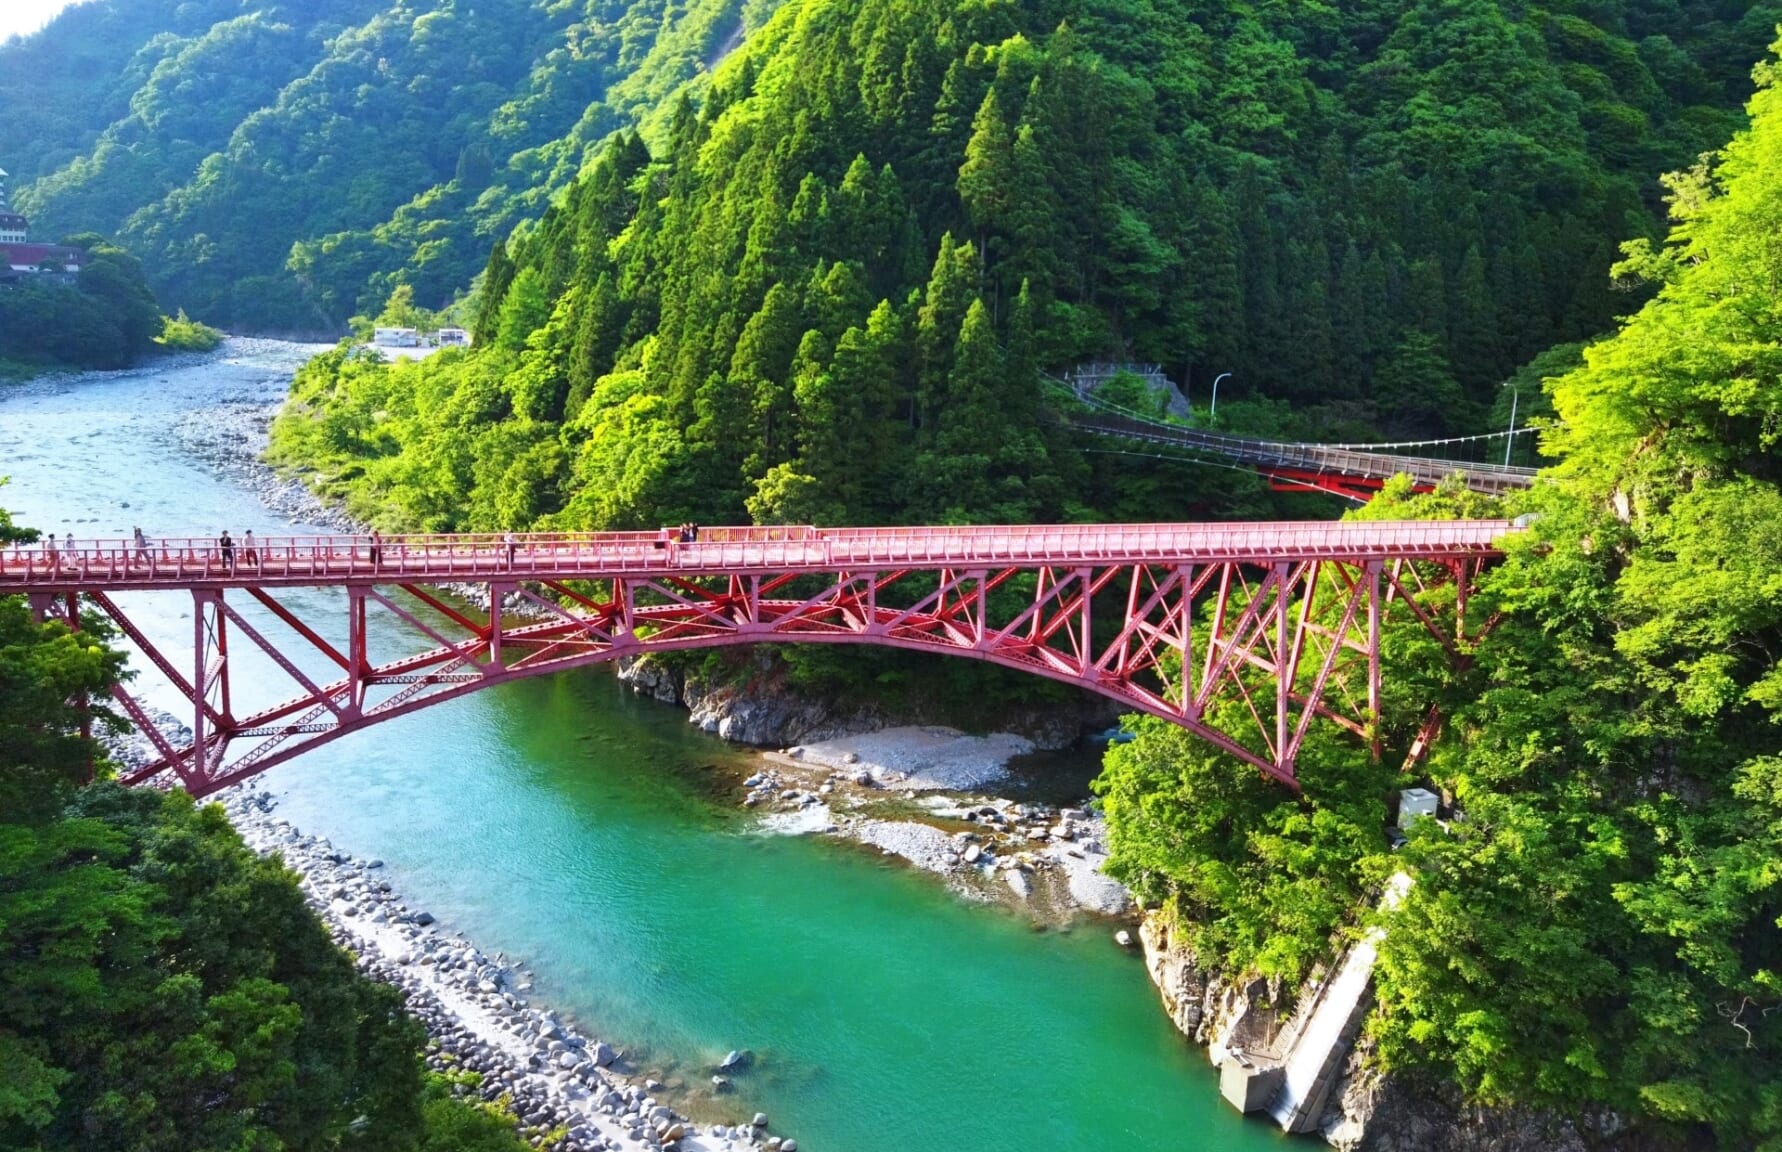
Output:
[[1599, 923]]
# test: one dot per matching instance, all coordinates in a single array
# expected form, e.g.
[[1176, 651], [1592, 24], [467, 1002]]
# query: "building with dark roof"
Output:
[[43, 257], [56, 263], [20, 258]]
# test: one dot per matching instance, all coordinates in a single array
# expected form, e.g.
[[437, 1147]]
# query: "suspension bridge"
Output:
[[1243, 634], [1352, 471]]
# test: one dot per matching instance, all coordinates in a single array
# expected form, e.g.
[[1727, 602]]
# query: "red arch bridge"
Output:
[[1169, 619]]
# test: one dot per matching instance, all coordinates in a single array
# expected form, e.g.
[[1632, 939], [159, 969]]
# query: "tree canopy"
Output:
[[286, 168]]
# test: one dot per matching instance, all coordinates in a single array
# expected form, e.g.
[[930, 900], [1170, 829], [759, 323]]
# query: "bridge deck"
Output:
[[312, 560], [1313, 458]]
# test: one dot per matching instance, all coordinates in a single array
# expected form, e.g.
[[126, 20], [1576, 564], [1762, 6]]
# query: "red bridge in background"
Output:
[[1240, 633]]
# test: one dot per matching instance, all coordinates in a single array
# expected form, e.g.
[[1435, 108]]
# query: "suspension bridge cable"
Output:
[[1095, 401], [1312, 488]]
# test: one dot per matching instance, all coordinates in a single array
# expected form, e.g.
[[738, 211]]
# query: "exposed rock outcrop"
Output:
[[755, 705], [1375, 1112], [1205, 1005]]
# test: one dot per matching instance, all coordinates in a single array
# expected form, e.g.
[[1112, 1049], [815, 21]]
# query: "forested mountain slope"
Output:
[[827, 293], [273, 164], [1598, 922]]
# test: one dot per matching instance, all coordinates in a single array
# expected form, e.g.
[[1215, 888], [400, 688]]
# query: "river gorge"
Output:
[[594, 833]]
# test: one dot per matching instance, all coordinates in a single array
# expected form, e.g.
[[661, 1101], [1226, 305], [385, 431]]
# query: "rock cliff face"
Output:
[[1368, 1111], [1372, 1112], [1206, 1006], [758, 707]]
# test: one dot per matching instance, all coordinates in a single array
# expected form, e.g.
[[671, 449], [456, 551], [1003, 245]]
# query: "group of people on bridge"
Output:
[[225, 552]]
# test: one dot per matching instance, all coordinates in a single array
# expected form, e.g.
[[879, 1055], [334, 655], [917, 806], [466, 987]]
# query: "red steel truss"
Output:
[[1271, 624]]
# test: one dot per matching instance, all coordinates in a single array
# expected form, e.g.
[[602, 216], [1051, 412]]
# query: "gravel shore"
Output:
[[927, 758], [566, 1090]]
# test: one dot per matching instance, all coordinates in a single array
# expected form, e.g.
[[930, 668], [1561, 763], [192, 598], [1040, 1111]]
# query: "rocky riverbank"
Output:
[[908, 792], [754, 704], [566, 1090], [230, 437], [918, 792], [1368, 1109]]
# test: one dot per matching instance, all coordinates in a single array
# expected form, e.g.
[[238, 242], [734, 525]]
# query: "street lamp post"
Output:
[[1213, 408], [1510, 440]]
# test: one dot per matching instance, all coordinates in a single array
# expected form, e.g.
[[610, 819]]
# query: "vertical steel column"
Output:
[[1216, 634], [1463, 579], [1373, 576], [198, 766], [1282, 665], [980, 627], [357, 662], [496, 592], [222, 638], [1085, 648], [1185, 591]]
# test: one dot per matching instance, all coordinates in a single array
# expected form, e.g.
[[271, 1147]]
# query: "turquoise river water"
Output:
[[569, 823]]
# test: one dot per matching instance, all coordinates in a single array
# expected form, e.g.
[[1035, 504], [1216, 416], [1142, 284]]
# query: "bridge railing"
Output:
[[1090, 542], [443, 558]]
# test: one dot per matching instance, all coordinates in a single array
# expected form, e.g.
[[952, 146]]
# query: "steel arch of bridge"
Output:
[[1276, 624]]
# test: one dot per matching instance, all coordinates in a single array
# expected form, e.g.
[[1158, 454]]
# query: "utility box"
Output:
[[1250, 1087], [1414, 804]]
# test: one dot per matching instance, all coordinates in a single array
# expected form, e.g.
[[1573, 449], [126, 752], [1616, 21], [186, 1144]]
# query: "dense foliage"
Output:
[[828, 293], [273, 164], [183, 334], [1600, 922], [161, 986], [1606, 924], [105, 317]]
